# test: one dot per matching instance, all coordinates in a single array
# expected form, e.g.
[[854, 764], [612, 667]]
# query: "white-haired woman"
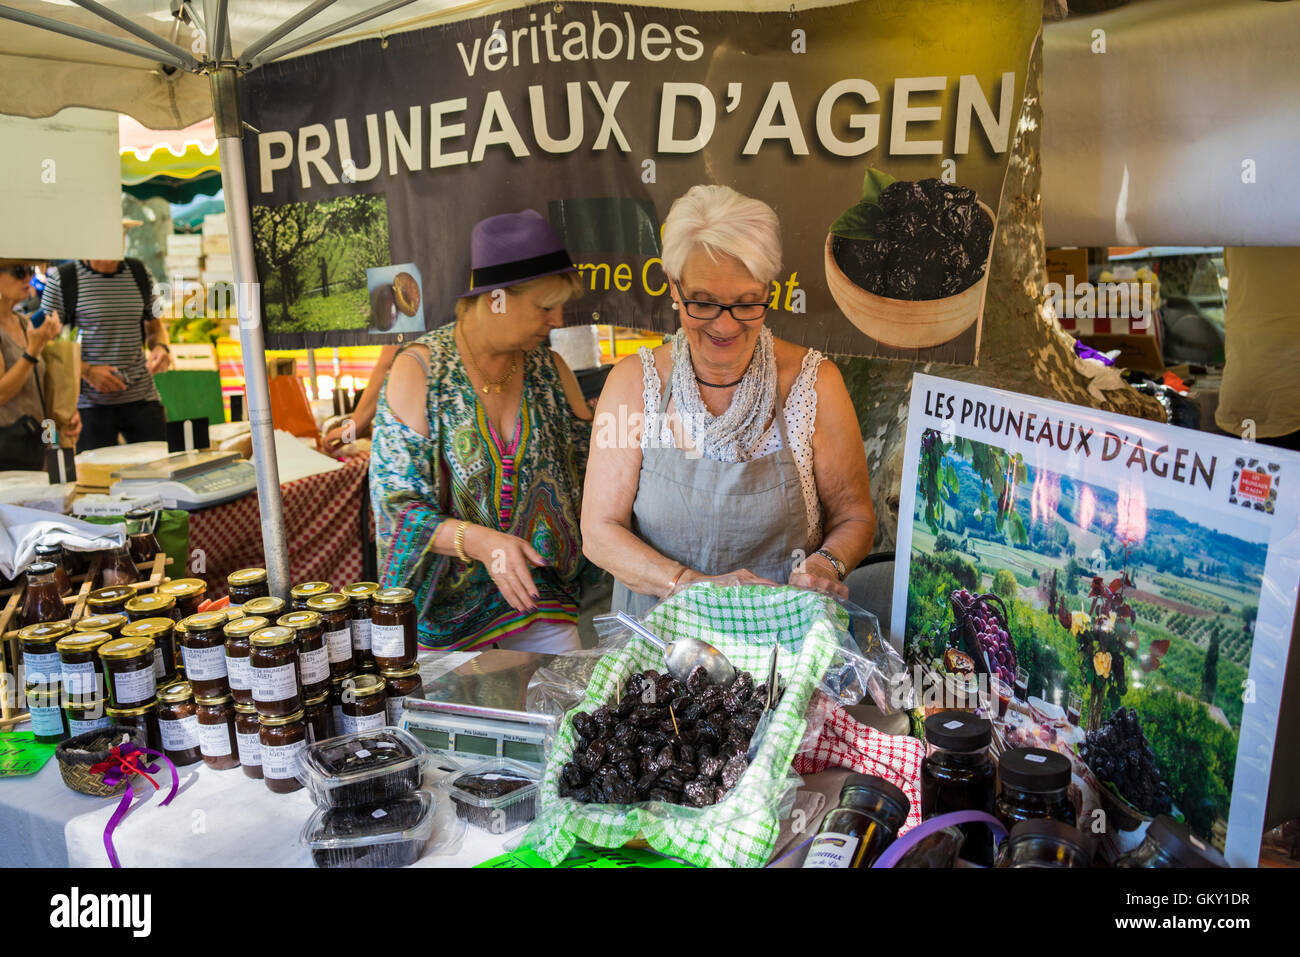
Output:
[[750, 462]]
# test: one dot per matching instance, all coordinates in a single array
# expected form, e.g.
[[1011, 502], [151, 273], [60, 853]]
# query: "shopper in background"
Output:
[[112, 303], [356, 424], [22, 373]]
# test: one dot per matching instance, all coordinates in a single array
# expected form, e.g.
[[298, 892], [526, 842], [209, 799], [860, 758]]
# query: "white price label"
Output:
[[179, 735], [388, 641], [314, 666], [47, 721], [365, 722], [952, 725], [240, 672], [42, 669], [361, 634], [214, 739], [79, 678], [339, 644], [250, 749], [1036, 758], [281, 761], [274, 684], [133, 686], [204, 664], [77, 726], [831, 849], [394, 707]]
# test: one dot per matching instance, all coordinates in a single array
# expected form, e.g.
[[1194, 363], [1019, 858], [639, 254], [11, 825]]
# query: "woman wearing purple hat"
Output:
[[479, 449]]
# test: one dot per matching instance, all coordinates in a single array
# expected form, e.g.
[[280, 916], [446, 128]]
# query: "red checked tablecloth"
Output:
[[322, 517]]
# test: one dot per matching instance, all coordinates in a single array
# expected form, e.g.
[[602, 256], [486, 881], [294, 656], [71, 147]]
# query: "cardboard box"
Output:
[[214, 224], [218, 245]]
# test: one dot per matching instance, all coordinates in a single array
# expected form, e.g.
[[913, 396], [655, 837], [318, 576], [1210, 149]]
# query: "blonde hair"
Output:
[[721, 221], [566, 286]]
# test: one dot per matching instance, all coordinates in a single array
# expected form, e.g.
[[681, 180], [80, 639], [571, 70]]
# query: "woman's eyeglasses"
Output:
[[21, 272], [703, 309]]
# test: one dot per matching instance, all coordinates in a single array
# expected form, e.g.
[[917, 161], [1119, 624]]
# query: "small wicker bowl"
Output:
[[76, 755]]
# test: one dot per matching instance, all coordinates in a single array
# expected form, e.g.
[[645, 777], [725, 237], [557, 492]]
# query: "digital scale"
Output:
[[189, 480], [478, 709]]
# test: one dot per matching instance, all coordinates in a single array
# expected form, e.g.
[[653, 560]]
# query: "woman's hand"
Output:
[[817, 574], [510, 561], [741, 576], [73, 430], [159, 360], [44, 334]]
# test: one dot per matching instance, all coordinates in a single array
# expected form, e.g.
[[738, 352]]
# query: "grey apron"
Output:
[[716, 517]]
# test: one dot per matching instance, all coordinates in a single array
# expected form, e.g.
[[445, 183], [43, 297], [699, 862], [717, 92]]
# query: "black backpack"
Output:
[[68, 286]]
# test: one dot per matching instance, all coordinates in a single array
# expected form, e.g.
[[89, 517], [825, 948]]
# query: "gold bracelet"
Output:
[[460, 544], [676, 578]]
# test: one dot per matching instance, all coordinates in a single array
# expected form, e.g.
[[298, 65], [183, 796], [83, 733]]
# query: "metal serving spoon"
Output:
[[682, 655]]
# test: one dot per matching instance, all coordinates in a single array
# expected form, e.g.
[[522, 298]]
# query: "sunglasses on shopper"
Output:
[[703, 309], [21, 272]]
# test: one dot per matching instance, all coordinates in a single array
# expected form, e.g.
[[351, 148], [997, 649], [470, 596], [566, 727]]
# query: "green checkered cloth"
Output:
[[743, 622]]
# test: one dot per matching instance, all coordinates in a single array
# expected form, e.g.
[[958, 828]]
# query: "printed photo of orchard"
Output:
[[1115, 632]]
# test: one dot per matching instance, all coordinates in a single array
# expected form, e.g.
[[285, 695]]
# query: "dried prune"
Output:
[[618, 753], [699, 793], [672, 779], [573, 775], [594, 756], [635, 685], [646, 716], [720, 792], [624, 707], [662, 794], [738, 739], [691, 712], [747, 721], [625, 734], [710, 766], [619, 791], [732, 771], [687, 753], [663, 760], [730, 702], [603, 716], [586, 794], [667, 726], [697, 680], [709, 733], [646, 781], [585, 725], [743, 686], [654, 737], [711, 699], [628, 769]]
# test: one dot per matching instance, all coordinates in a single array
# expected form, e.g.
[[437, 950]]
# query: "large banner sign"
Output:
[[878, 130], [1119, 591]]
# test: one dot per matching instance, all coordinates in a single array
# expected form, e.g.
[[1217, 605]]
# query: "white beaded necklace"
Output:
[[732, 436]]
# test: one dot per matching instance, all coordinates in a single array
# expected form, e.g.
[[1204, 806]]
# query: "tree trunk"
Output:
[[1022, 348]]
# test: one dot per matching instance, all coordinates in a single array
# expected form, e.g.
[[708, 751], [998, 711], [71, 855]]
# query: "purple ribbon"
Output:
[[125, 761]]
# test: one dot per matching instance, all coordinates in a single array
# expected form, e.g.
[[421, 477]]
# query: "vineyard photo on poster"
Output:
[[1116, 631]]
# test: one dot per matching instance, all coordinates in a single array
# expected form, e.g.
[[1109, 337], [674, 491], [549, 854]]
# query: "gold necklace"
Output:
[[497, 385]]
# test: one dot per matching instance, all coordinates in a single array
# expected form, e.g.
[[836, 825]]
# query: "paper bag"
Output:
[[62, 384]]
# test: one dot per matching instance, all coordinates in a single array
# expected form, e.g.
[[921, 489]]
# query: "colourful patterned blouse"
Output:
[[465, 471]]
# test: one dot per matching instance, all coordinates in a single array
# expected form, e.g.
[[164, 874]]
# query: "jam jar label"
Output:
[[361, 634], [388, 641], [275, 684], [204, 664], [47, 721], [339, 644], [42, 669], [79, 678], [179, 734], [393, 706], [365, 722], [159, 669], [314, 666], [280, 761], [81, 726], [214, 739], [240, 673], [250, 749], [338, 717], [831, 849], [133, 686]]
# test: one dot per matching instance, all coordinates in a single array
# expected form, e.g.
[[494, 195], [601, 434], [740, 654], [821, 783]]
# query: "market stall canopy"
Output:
[[1173, 122], [178, 165]]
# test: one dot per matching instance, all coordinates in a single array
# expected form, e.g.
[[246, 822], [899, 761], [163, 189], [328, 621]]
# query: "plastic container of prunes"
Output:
[[363, 767], [497, 795], [388, 833]]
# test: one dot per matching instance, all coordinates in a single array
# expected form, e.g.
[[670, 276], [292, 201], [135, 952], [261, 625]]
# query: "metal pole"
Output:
[[311, 374], [284, 29], [92, 36], [324, 33], [225, 111], [130, 26]]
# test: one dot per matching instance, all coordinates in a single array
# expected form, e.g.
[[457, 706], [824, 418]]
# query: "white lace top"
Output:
[[800, 421]]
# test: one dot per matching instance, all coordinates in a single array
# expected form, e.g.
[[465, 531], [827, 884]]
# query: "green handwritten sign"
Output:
[[21, 754]]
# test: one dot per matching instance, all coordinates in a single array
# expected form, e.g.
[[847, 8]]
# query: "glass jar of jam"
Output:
[[141, 541], [1169, 844], [283, 739], [238, 671], [398, 686], [142, 718], [299, 595], [392, 629], [82, 672], [188, 593], [359, 597], [112, 624], [866, 822], [247, 584], [268, 606], [54, 555], [85, 714], [217, 738], [44, 708], [178, 723], [41, 664], [958, 774], [337, 625], [337, 688], [248, 735], [313, 657], [42, 600], [128, 671], [273, 658], [316, 713], [1033, 783], [151, 606], [163, 632], [203, 651], [1039, 842], [116, 567], [363, 704], [110, 600]]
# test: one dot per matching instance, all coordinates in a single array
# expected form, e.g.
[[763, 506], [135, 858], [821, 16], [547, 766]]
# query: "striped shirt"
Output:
[[109, 310]]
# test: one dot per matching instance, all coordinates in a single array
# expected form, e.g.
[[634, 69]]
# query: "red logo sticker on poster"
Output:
[[1254, 485]]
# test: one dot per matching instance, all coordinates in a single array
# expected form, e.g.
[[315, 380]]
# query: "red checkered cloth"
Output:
[[322, 518], [846, 743]]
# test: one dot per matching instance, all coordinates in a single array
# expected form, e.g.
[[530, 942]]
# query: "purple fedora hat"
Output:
[[512, 248]]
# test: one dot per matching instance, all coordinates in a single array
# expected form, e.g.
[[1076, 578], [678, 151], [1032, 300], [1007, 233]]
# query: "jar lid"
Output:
[[243, 627], [890, 798], [135, 712], [281, 721], [206, 621], [40, 568], [148, 628], [307, 589], [176, 692], [1057, 831], [212, 702], [126, 648], [1034, 769], [363, 685], [272, 637], [351, 675], [331, 602], [110, 596], [415, 670], [246, 576], [1178, 841], [45, 631], [242, 708], [958, 731], [183, 587], [394, 596], [139, 513], [234, 613], [360, 590], [154, 602], [300, 620], [318, 699], [268, 606], [82, 641], [109, 623], [55, 549]]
